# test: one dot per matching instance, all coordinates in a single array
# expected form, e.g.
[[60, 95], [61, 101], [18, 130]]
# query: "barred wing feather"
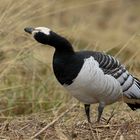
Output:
[[130, 85]]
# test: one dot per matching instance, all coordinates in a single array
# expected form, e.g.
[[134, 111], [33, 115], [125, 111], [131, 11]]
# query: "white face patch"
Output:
[[42, 29]]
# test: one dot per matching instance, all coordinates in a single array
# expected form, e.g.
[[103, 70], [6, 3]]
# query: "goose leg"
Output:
[[100, 111], [87, 110]]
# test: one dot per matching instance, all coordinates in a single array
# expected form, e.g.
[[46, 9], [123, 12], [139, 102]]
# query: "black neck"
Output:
[[60, 43]]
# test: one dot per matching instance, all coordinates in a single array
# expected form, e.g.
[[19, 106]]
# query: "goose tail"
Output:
[[134, 101]]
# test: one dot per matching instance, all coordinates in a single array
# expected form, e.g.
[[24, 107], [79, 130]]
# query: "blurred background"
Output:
[[27, 83]]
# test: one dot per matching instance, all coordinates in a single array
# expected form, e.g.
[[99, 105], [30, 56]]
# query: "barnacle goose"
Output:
[[91, 77]]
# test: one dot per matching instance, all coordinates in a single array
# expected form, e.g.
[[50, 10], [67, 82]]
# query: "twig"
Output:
[[4, 138], [116, 134], [53, 122], [115, 125], [4, 127], [126, 44], [111, 116], [91, 130], [24, 127]]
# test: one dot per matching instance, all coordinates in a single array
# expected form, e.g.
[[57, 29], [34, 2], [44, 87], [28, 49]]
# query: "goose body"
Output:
[[87, 82], [85, 88], [91, 77]]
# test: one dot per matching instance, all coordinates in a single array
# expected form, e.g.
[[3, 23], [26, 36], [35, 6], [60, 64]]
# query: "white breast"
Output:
[[93, 86]]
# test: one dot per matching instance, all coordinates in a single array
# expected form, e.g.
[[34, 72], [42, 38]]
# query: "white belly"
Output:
[[93, 86]]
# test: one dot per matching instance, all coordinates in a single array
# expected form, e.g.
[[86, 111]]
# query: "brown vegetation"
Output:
[[30, 96]]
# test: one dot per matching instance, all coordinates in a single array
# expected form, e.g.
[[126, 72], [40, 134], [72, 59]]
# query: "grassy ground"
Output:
[[30, 96]]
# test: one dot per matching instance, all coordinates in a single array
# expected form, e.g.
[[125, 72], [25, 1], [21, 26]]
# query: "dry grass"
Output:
[[30, 96], [125, 125]]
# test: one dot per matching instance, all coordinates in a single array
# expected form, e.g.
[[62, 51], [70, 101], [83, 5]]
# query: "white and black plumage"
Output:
[[91, 77]]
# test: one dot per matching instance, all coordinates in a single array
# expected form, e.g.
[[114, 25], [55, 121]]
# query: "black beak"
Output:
[[29, 30]]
